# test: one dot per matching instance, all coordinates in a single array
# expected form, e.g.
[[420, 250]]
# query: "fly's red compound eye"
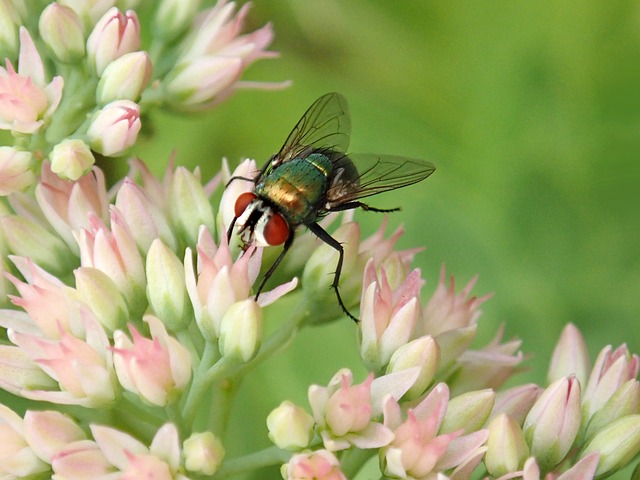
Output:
[[276, 230], [242, 202]]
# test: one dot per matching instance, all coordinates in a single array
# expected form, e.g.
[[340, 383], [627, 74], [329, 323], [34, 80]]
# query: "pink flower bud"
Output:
[[507, 450], [553, 422], [318, 465], [48, 432], [570, 357], [15, 170], [156, 369], [18, 459], [115, 128], [115, 34]]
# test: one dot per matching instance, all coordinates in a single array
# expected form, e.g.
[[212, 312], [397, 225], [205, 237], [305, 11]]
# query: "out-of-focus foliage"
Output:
[[530, 111]]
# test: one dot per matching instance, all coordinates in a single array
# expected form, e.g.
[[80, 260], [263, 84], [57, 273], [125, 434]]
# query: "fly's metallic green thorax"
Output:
[[311, 176], [298, 187]]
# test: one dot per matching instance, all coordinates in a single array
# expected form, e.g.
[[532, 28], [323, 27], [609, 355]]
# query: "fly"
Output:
[[312, 176]]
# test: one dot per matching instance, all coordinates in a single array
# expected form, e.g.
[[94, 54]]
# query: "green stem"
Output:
[[200, 382], [253, 461], [353, 460]]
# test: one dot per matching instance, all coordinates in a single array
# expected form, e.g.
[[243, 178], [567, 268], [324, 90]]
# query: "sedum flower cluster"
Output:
[[127, 316], [78, 79]]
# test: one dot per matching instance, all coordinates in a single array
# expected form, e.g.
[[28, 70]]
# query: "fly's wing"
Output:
[[325, 125], [362, 175]]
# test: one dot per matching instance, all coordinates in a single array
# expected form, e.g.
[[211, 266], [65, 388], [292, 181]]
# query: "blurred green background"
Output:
[[531, 112]]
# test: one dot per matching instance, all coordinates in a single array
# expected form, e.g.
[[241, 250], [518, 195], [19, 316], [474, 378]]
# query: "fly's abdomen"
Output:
[[298, 187]]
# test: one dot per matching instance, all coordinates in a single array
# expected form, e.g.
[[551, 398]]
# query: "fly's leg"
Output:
[[230, 229], [332, 242], [364, 206], [272, 268], [247, 179]]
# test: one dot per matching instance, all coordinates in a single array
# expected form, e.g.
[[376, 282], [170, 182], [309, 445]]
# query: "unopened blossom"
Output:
[[114, 252], [49, 431], [174, 16], [516, 401], [125, 78], [214, 57], [216, 282], [71, 159], [553, 422], [241, 331], [423, 353], [26, 99], [290, 427], [11, 17], [157, 368], [52, 306], [618, 443], [570, 356], [15, 170], [468, 411], [67, 204], [388, 316], [115, 128], [507, 449], [318, 465], [82, 367], [611, 370], [62, 31], [18, 371], [203, 453], [114, 35], [624, 401], [17, 458], [343, 412], [89, 11]]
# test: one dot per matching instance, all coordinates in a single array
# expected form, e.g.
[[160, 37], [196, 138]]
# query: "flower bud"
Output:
[[71, 159], [18, 458], [624, 401], [618, 444], [553, 422], [570, 357], [318, 465], [173, 17], [61, 29], [290, 427], [114, 35], [125, 78], [422, 353], [189, 206], [166, 286], [506, 447], [99, 291], [18, 372], [241, 331], [47, 432], [516, 402], [115, 128], [203, 453], [15, 170], [468, 411], [27, 238]]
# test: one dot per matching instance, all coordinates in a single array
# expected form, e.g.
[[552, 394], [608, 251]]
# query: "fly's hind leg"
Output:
[[332, 242], [364, 206]]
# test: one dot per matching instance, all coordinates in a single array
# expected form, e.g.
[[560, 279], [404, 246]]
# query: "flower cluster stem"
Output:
[[252, 461]]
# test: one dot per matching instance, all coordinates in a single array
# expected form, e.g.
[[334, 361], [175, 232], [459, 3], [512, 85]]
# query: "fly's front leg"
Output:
[[272, 268], [332, 242]]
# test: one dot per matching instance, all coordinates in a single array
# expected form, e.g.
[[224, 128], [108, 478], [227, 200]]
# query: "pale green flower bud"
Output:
[[15, 170], [468, 412], [125, 78], [203, 453], [166, 289], [27, 238], [173, 17], [241, 331], [18, 372], [570, 357], [422, 353], [62, 31], [454, 342], [99, 291], [71, 159], [290, 427], [625, 401], [189, 206], [115, 128], [618, 444], [506, 447], [10, 20]]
